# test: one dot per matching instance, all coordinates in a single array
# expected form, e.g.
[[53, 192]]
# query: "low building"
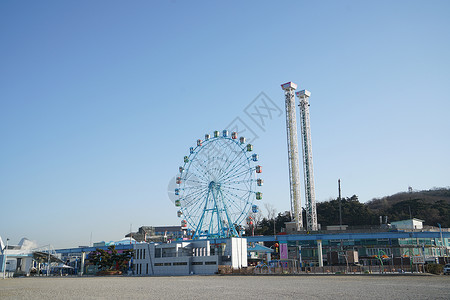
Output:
[[199, 257], [411, 224], [25, 258], [395, 241]]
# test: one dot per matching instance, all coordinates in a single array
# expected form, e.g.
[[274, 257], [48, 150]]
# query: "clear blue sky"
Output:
[[100, 101]]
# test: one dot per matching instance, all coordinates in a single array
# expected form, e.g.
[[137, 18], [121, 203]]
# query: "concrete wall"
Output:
[[237, 249]]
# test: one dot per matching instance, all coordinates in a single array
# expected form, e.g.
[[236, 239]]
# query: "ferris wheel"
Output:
[[217, 185]]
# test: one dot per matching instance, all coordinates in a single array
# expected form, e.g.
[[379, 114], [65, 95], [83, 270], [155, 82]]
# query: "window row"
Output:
[[140, 253]]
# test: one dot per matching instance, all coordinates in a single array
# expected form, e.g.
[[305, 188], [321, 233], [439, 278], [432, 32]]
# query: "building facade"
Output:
[[200, 257]]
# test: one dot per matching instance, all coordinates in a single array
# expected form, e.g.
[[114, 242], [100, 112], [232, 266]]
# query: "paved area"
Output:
[[228, 287]]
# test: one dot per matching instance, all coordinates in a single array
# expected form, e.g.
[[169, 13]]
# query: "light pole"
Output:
[[5, 258], [340, 205], [49, 261], [442, 244]]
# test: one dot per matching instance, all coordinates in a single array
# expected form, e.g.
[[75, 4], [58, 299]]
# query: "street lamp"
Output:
[[4, 259], [442, 244]]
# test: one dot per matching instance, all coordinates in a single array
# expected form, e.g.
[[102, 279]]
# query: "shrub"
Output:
[[434, 268]]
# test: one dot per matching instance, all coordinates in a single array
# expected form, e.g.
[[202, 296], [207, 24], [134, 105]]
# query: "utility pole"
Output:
[[340, 205]]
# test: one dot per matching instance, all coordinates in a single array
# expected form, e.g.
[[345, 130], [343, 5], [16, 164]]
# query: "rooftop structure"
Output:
[[157, 233], [408, 224]]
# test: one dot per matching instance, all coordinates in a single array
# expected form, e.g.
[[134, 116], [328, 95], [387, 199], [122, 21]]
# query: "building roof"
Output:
[[259, 248], [168, 228], [413, 219]]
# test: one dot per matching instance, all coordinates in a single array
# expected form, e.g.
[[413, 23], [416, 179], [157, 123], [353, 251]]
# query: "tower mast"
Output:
[[311, 214], [293, 160]]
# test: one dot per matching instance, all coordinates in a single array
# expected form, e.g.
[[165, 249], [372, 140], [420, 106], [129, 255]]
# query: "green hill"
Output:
[[432, 206]]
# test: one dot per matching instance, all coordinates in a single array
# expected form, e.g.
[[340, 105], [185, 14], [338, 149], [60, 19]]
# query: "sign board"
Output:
[[418, 260], [300, 255], [283, 251]]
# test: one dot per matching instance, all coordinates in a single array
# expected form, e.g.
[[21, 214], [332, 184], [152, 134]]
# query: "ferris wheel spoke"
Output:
[[234, 188], [196, 195], [236, 175], [196, 175], [247, 184], [237, 168], [187, 200], [236, 199], [190, 181], [191, 189], [230, 152], [201, 173], [226, 162], [192, 178], [194, 217], [195, 213], [199, 162], [237, 204], [233, 164], [246, 181]]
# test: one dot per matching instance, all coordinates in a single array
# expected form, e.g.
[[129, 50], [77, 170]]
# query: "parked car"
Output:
[[447, 269]]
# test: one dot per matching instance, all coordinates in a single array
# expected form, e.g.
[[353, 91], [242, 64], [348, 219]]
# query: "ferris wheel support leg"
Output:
[[232, 229], [200, 223]]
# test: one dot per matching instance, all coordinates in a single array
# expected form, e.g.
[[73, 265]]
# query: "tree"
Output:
[[111, 259], [354, 213], [271, 213]]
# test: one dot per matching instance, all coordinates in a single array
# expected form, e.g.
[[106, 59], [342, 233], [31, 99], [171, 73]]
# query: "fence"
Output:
[[290, 269]]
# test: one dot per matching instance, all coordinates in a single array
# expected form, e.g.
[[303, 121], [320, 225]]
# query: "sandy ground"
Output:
[[229, 287]]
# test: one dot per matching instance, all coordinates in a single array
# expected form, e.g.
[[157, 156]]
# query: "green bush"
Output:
[[434, 268]]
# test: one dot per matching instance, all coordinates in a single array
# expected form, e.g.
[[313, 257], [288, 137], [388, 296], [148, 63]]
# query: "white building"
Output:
[[24, 258], [408, 224], [190, 257], [19, 258]]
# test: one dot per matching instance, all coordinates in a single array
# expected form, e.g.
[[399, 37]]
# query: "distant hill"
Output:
[[433, 206]]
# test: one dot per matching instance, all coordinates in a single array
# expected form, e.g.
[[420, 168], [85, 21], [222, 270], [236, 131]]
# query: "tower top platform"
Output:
[[289, 86], [303, 94]]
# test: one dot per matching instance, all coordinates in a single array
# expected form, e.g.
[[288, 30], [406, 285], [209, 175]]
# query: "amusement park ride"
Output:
[[311, 214], [293, 161], [217, 185], [218, 182], [294, 174]]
